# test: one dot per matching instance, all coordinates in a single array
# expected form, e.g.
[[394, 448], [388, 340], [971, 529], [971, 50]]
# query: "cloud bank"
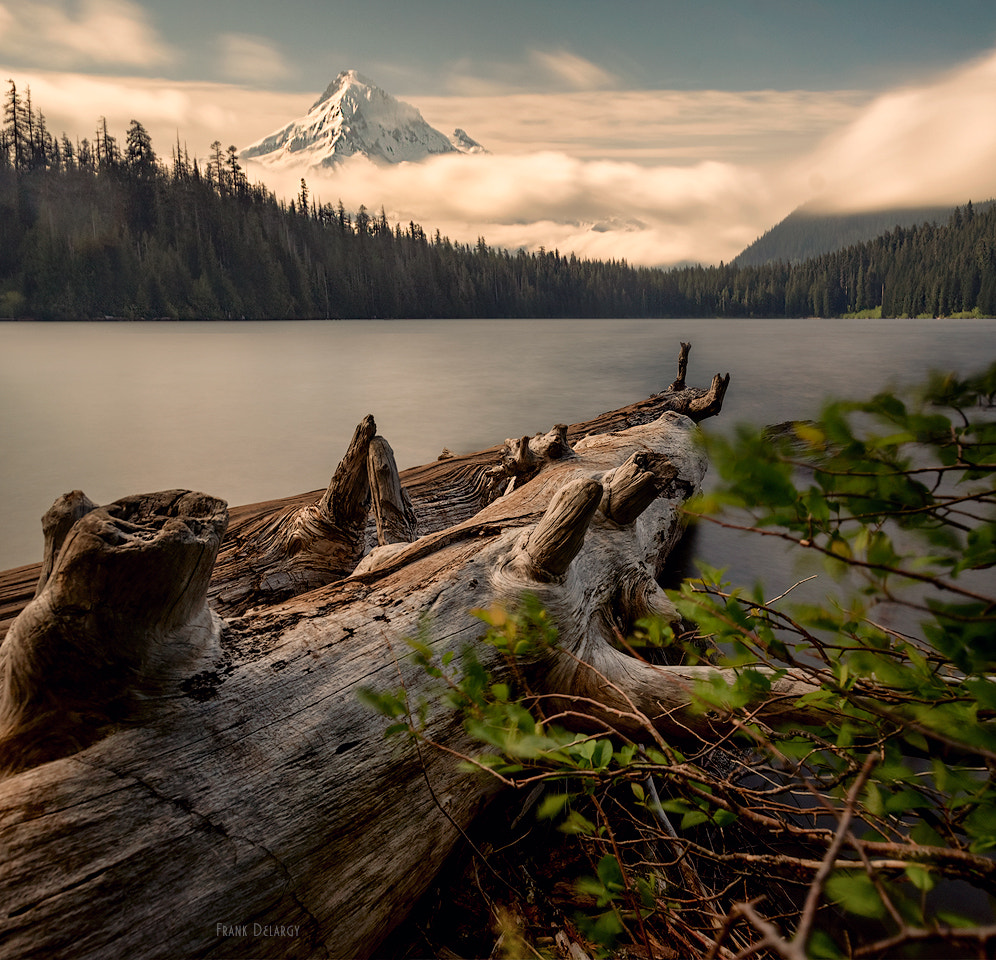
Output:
[[934, 143], [103, 32], [655, 177], [597, 209]]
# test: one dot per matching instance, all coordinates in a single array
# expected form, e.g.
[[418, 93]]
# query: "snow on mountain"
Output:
[[464, 143], [355, 117]]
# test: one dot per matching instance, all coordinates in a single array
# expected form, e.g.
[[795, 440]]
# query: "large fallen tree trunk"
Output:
[[182, 785]]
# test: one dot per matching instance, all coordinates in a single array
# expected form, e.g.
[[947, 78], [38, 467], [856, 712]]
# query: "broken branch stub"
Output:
[[699, 408], [392, 507], [280, 555], [523, 458], [123, 613], [546, 552], [679, 381], [632, 487]]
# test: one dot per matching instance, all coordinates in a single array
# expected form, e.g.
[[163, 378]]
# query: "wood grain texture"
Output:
[[251, 805]]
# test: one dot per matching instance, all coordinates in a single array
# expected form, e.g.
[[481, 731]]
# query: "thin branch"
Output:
[[850, 561], [781, 596], [815, 894]]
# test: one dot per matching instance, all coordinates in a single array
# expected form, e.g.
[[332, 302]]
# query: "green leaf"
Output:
[[822, 946], [624, 755], [873, 800], [577, 823], [386, 703], [693, 818], [855, 892], [551, 805], [602, 755], [610, 873], [920, 877]]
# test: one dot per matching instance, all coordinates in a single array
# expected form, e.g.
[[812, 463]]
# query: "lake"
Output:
[[253, 411]]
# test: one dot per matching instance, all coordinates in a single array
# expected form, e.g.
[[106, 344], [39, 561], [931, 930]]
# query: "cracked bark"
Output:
[[240, 781]]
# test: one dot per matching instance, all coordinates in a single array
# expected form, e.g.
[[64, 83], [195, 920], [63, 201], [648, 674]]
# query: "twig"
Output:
[[827, 865], [781, 596], [771, 936], [851, 561]]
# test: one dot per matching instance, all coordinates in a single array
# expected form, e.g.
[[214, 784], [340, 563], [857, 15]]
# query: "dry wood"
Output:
[[57, 521], [679, 381], [443, 493], [392, 507], [234, 797], [123, 611]]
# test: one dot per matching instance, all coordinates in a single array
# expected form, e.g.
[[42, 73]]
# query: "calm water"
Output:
[[250, 411]]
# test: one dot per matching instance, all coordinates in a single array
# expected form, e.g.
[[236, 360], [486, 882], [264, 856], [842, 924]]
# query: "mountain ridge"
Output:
[[808, 232]]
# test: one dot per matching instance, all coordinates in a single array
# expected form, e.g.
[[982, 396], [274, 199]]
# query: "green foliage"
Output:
[[876, 790], [898, 496]]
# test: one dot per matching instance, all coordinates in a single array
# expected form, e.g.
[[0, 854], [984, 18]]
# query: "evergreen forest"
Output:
[[96, 229]]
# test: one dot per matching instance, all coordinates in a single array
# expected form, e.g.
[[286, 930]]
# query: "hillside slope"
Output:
[[807, 232]]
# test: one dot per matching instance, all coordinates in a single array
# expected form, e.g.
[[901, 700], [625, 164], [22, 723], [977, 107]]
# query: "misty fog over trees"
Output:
[[96, 228]]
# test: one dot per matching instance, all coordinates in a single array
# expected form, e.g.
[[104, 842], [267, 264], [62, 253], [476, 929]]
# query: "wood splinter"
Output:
[[392, 507]]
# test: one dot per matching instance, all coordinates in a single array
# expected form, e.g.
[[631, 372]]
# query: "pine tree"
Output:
[[140, 158], [13, 115]]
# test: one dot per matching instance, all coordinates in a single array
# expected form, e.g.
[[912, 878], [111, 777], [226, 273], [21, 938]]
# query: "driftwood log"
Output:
[[188, 770]]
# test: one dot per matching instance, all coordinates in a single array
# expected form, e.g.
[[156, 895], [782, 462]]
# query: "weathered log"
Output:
[[234, 797], [444, 493]]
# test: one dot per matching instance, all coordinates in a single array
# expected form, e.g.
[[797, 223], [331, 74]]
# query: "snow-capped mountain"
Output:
[[355, 117]]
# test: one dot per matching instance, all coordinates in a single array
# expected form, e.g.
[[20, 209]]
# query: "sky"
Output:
[[659, 131]]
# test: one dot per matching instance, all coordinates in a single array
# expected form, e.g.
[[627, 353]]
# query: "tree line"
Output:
[[92, 229]]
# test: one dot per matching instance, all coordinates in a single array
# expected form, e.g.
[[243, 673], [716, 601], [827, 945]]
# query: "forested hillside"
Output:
[[808, 232], [92, 229]]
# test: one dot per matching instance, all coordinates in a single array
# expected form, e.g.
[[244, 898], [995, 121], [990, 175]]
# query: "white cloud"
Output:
[[930, 144], [102, 32], [599, 209], [577, 72], [251, 59]]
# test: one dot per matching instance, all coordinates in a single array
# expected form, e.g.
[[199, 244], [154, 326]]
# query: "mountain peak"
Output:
[[355, 117], [343, 81]]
